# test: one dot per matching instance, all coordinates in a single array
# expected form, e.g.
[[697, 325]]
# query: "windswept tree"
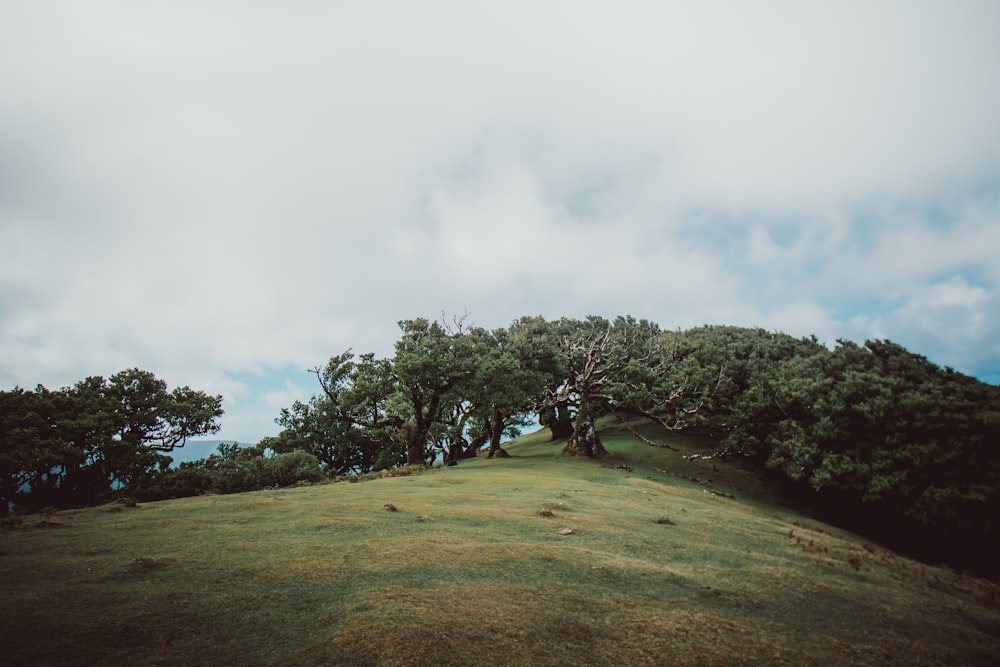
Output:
[[30, 446], [589, 353], [75, 445], [632, 366], [375, 413], [756, 363], [538, 347], [148, 422], [352, 427], [879, 424], [666, 376], [431, 367], [501, 390]]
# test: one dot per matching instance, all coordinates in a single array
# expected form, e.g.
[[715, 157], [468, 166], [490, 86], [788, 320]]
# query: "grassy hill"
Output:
[[662, 567]]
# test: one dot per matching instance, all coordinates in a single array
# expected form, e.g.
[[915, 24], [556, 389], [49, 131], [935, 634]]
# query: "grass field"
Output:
[[471, 571]]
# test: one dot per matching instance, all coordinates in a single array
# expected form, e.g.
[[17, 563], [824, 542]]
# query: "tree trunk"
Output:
[[415, 454], [561, 429], [496, 433], [558, 419], [585, 441], [473, 447], [455, 451], [416, 444]]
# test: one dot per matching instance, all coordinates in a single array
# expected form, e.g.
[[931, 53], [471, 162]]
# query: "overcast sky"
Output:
[[226, 193]]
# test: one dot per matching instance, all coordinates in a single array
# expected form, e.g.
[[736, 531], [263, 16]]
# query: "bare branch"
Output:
[[457, 325], [642, 437], [318, 372]]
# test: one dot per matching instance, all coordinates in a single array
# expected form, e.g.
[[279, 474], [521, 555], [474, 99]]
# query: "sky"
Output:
[[226, 193]]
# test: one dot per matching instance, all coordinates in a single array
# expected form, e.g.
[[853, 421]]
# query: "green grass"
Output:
[[469, 572]]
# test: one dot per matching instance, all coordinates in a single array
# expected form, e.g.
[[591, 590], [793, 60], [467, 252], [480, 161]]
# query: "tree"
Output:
[[501, 389], [75, 445], [349, 428], [584, 353], [147, 422], [626, 365], [745, 408], [883, 426], [30, 447], [537, 345], [430, 366]]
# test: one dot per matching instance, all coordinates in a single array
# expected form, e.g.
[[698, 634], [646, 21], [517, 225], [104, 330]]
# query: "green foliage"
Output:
[[502, 385], [352, 428], [233, 469], [430, 366], [75, 445], [442, 387], [252, 473], [889, 428], [874, 430], [538, 344], [673, 378], [30, 446]]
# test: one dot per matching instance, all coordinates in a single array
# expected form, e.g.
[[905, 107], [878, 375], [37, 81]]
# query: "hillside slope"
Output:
[[662, 567]]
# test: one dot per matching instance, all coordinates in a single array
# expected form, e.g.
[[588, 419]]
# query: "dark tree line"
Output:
[[77, 445], [448, 389], [232, 469]]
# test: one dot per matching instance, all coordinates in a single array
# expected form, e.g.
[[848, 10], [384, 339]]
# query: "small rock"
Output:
[[391, 507], [566, 531], [545, 511]]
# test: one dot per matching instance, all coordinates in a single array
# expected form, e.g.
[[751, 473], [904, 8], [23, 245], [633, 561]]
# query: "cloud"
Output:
[[217, 189], [283, 397], [950, 315]]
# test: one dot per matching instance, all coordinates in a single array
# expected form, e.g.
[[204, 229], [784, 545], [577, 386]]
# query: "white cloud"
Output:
[[215, 188], [284, 397], [951, 316]]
